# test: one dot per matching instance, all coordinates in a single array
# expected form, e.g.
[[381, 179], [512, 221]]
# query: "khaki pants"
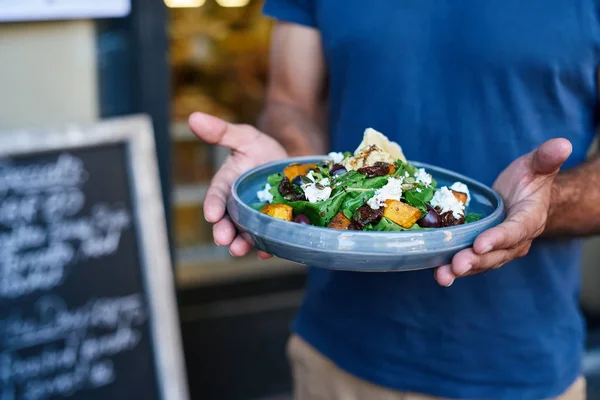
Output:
[[317, 378]]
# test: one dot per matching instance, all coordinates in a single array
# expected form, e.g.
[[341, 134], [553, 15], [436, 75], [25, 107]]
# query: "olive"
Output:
[[302, 219], [431, 219], [297, 180], [337, 169]]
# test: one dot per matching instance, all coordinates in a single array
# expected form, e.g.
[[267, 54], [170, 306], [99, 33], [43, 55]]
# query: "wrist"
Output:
[[563, 196]]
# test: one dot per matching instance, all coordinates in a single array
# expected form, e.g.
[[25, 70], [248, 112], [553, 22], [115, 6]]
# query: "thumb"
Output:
[[550, 156], [214, 130]]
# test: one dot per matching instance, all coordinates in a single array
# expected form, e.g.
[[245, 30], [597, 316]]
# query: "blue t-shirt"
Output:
[[469, 85]]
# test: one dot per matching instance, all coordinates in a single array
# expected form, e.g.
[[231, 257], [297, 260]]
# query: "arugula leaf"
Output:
[[386, 225], [347, 154], [419, 199], [349, 179], [274, 180], [402, 168], [354, 200], [375, 183], [323, 171], [359, 196], [257, 206], [319, 213], [472, 217]]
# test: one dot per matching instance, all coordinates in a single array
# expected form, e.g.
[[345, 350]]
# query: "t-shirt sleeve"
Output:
[[296, 11]]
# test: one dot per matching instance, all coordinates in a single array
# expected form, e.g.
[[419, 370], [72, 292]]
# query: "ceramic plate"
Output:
[[358, 250]]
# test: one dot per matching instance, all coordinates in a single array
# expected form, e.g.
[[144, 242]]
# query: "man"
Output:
[[502, 91]]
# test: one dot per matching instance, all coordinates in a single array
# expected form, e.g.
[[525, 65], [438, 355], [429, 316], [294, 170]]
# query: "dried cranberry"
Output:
[[449, 220], [365, 215], [355, 226], [378, 169], [288, 191]]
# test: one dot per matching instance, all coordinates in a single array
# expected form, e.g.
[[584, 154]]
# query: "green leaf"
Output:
[[354, 200], [386, 225], [375, 183], [349, 179], [347, 154], [319, 213], [402, 168], [257, 206], [323, 170], [274, 180], [472, 217], [419, 199]]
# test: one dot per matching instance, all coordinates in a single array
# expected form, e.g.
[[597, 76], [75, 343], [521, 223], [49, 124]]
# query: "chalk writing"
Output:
[[66, 171], [76, 344], [47, 234], [54, 343]]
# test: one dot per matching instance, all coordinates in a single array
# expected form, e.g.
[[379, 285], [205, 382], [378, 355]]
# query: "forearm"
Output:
[[575, 202], [299, 133]]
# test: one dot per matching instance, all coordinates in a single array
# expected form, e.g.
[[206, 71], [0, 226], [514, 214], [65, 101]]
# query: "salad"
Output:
[[372, 189]]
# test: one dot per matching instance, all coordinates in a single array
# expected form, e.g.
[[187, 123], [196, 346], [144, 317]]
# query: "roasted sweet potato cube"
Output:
[[340, 221], [293, 171], [280, 211], [460, 196], [401, 213], [392, 169]]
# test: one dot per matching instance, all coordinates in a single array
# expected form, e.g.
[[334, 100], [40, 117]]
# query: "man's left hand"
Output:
[[526, 188]]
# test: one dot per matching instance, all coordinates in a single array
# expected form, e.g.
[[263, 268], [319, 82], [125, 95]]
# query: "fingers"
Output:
[[467, 262], [216, 131], [550, 156], [224, 232], [519, 227], [239, 247], [444, 275], [215, 202], [263, 256]]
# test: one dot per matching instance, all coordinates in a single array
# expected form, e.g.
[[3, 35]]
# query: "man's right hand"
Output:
[[249, 149]]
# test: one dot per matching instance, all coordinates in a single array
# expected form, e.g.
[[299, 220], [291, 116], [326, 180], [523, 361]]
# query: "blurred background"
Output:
[[168, 59]]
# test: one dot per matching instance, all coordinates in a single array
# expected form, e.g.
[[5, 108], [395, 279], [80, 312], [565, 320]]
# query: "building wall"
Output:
[[47, 74]]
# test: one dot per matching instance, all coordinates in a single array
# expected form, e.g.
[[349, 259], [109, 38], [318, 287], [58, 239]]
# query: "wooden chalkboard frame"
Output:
[[137, 133]]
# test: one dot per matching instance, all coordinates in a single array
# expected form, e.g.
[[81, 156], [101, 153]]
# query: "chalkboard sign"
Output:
[[87, 303]]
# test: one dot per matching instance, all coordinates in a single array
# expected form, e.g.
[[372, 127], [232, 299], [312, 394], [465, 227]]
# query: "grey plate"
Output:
[[357, 250]]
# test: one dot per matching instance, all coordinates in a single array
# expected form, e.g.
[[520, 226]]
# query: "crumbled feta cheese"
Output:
[[423, 177], [445, 200], [418, 190], [391, 191], [312, 192], [265, 195], [336, 157], [406, 174], [462, 188]]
